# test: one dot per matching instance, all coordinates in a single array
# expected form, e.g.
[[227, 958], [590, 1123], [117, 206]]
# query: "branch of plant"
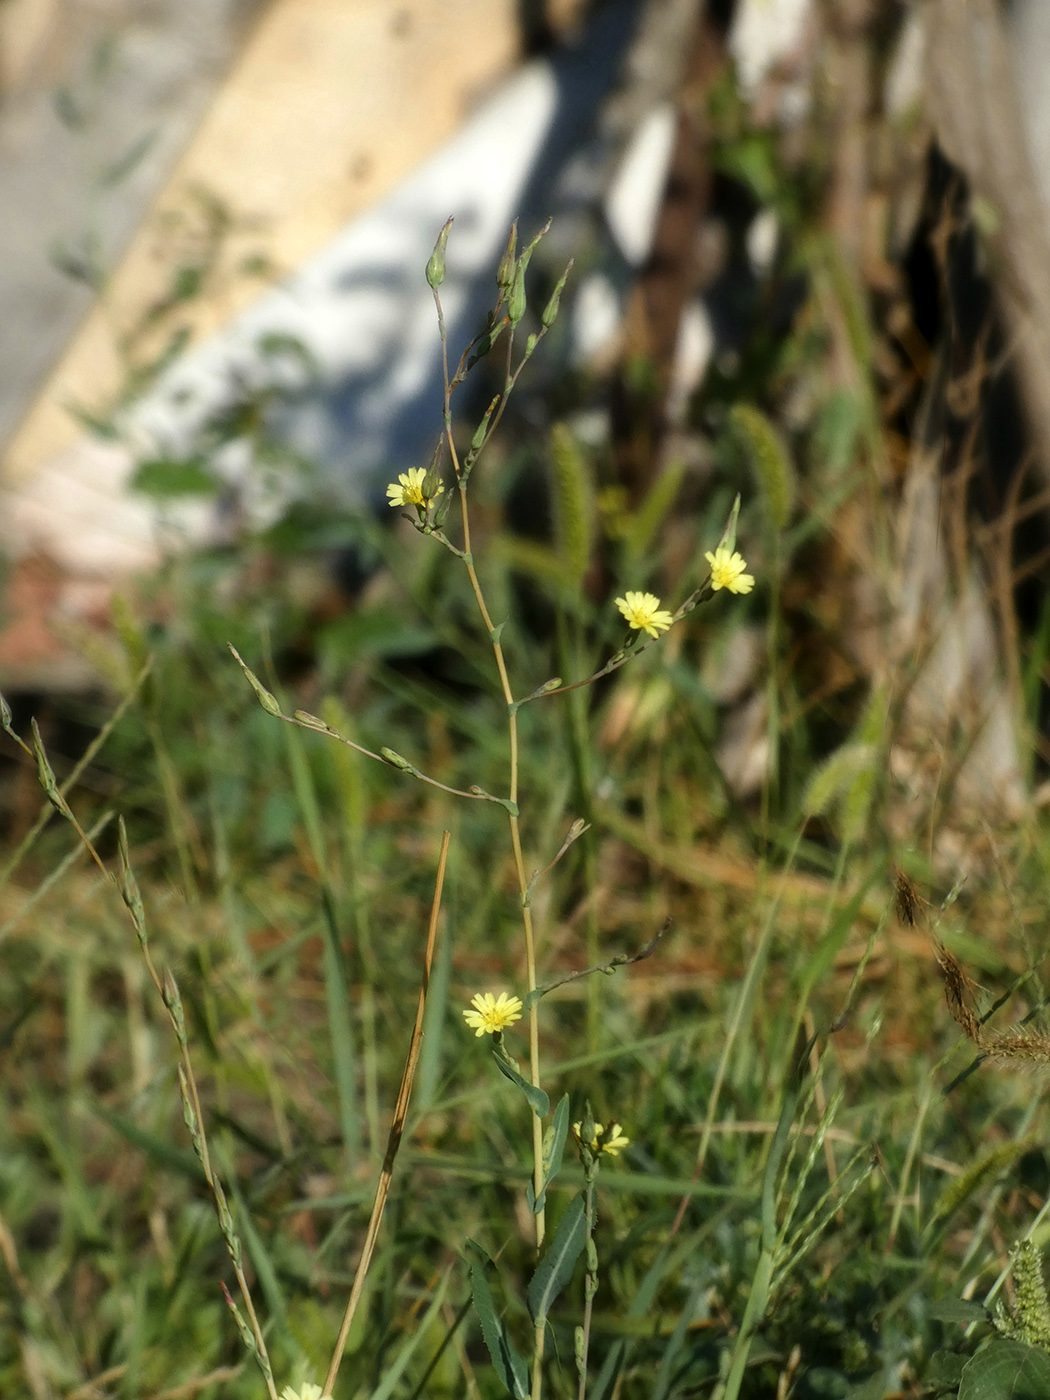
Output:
[[577, 829], [590, 1286], [515, 841], [397, 1127], [304, 720], [630, 652], [621, 960]]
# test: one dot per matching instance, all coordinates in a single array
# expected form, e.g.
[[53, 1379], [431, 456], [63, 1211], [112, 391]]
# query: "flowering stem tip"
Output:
[[611, 1140], [644, 614], [727, 571], [492, 1014], [408, 489]]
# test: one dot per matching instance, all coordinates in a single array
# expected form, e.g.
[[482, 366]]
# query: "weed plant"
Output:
[[683, 1110]]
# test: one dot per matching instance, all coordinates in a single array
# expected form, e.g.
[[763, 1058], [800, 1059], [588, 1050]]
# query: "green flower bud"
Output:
[[396, 761], [550, 311], [517, 303], [436, 265], [505, 271]]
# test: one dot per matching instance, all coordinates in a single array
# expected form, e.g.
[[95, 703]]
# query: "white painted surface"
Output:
[[765, 34], [637, 189], [1029, 27]]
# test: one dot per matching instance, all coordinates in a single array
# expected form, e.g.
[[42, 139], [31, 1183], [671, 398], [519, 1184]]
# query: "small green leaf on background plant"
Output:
[[557, 1264], [538, 1100], [1006, 1371], [554, 1140], [510, 1367]]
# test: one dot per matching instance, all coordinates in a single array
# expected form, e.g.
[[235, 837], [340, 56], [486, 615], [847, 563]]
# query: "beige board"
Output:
[[329, 105], [24, 28]]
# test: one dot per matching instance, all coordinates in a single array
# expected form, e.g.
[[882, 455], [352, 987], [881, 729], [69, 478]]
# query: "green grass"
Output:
[[819, 1158], [254, 853]]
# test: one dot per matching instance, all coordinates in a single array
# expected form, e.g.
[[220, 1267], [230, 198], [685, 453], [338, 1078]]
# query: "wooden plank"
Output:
[[331, 103]]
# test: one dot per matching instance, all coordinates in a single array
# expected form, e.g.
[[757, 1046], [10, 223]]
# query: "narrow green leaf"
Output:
[[510, 1367], [261, 1259], [774, 1160], [668, 1367], [159, 1149], [961, 1310], [390, 1380], [667, 1262], [554, 1140], [557, 1264], [337, 990], [836, 777], [538, 1100]]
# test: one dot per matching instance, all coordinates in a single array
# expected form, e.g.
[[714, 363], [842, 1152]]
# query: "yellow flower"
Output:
[[727, 571], [408, 489], [491, 1015], [614, 1141], [308, 1392], [643, 613]]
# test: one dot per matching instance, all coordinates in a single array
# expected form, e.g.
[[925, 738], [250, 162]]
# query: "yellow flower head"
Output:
[[727, 571], [492, 1014], [614, 1139], [308, 1392], [644, 614], [408, 489]]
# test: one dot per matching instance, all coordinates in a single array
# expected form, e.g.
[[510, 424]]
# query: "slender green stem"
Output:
[[523, 889], [397, 1128], [519, 862], [753, 1314], [590, 1288], [510, 379]]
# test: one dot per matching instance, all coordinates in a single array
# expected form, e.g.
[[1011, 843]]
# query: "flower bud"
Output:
[[505, 271], [436, 265], [550, 311]]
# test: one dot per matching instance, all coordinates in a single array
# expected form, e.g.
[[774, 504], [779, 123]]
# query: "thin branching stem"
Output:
[[397, 1128], [590, 1288], [303, 720], [523, 889], [519, 861]]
